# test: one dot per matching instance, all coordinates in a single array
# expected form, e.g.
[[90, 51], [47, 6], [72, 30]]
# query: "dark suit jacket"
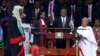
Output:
[[27, 11], [77, 15], [58, 24], [86, 11], [61, 43], [34, 23], [98, 11], [7, 12], [35, 31]]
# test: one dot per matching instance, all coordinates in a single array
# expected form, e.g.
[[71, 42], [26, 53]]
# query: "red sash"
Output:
[[21, 52]]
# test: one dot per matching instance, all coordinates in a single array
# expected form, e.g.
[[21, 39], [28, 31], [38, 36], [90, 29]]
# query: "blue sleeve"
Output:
[[1, 34]]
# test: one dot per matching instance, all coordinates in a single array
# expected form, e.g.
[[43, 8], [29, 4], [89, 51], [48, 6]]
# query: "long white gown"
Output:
[[89, 45]]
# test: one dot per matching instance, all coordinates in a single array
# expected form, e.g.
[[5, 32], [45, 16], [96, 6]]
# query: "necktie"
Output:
[[36, 12], [63, 22]]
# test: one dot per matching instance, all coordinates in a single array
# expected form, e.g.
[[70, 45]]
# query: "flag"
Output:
[[50, 9]]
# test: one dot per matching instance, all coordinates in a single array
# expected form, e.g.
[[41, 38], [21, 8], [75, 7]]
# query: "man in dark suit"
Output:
[[78, 14], [37, 7], [72, 8], [89, 11], [62, 22], [75, 11], [26, 10]]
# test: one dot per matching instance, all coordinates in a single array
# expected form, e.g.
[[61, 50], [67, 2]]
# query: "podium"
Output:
[[52, 50]]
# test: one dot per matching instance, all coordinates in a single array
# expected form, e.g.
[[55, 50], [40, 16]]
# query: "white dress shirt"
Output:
[[72, 10], [63, 20], [36, 11], [90, 12]]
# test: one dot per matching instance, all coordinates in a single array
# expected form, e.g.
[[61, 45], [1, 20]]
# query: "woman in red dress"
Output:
[[43, 29], [96, 29]]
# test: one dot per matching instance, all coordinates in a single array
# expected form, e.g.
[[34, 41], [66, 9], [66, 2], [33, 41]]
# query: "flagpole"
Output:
[[77, 52]]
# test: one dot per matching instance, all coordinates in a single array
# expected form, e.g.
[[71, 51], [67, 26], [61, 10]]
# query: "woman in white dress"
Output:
[[87, 42]]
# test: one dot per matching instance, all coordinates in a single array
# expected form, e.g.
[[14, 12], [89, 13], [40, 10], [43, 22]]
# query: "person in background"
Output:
[[28, 38], [37, 7], [5, 25], [5, 14], [87, 40], [35, 30], [78, 14], [89, 11], [98, 9], [16, 33], [62, 22], [72, 8], [27, 10], [5, 9], [96, 29], [43, 27]]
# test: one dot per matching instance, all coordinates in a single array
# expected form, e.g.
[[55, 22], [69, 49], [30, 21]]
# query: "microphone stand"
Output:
[[76, 44], [77, 36]]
